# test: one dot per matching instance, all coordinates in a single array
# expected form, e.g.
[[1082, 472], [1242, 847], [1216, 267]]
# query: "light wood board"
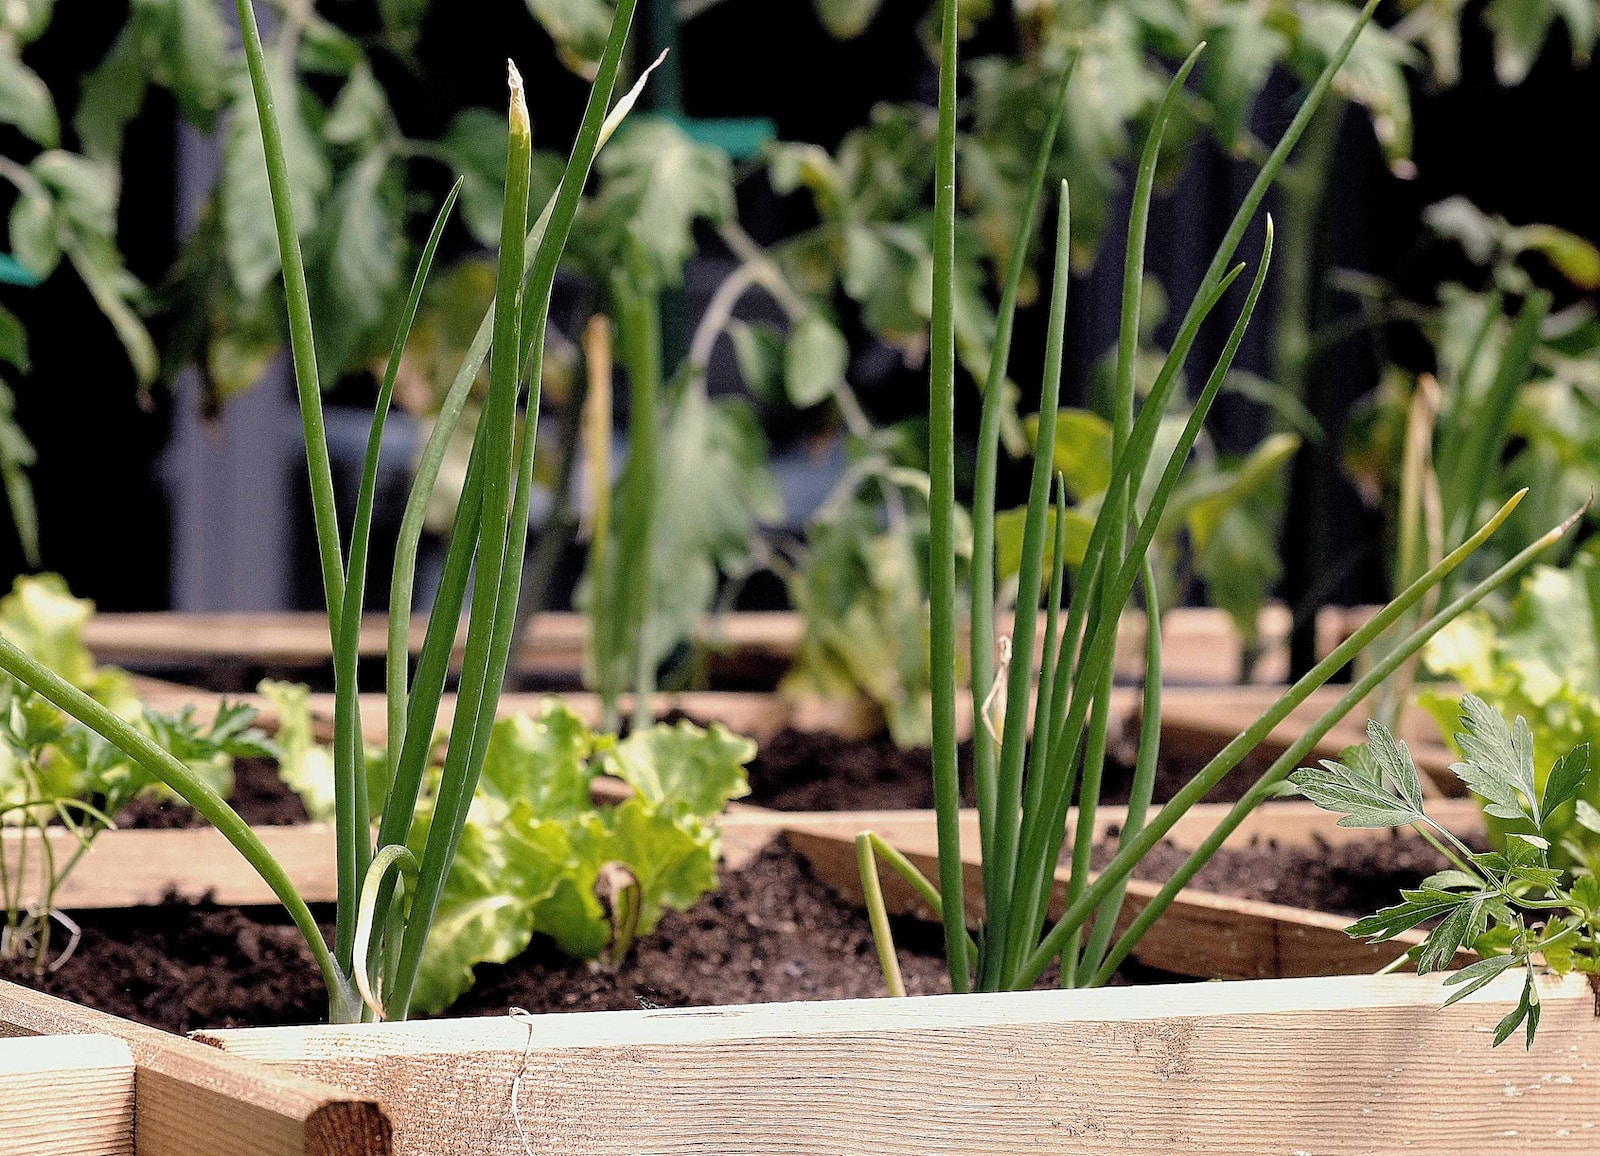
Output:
[[1325, 1066], [1200, 645], [140, 867], [194, 1101], [1197, 722], [1200, 934], [66, 1096]]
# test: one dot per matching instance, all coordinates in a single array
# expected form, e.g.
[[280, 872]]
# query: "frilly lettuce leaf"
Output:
[[305, 766], [689, 772], [536, 846]]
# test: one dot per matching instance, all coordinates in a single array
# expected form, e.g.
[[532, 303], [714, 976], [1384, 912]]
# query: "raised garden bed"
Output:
[[633, 1080]]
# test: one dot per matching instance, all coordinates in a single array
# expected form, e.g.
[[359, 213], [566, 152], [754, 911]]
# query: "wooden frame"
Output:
[[187, 1099], [1369, 1064], [1345, 1065], [66, 1096]]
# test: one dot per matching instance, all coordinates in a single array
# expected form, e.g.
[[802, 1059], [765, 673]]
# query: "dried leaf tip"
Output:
[[519, 100]]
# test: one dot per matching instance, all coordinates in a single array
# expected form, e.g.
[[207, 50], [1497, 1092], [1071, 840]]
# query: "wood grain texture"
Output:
[[66, 1096], [1197, 722], [141, 867], [134, 868], [1201, 645], [1327, 1066], [194, 1101]]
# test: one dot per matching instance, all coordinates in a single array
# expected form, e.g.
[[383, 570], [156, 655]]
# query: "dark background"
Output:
[[103, 506]]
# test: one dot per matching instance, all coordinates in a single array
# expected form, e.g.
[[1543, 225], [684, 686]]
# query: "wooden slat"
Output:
[[132, 868], [1200, 934], [66, 1096], [1201, 645], [759, 715], [142, 867], [1199, 721], [1289, 823], [193, 1101], [1330, 1066]]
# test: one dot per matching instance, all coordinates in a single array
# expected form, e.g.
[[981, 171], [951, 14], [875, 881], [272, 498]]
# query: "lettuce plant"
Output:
[[538, 851], [1025, 782], [379, 976], [1511, 905]]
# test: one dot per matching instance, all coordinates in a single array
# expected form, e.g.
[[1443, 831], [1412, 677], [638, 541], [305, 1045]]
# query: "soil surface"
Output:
[[1353, 879], [810, 771], [771, 932], [259, 795]]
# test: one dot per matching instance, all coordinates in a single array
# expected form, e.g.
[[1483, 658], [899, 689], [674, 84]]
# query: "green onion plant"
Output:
[[373, 973], [1025, 778]]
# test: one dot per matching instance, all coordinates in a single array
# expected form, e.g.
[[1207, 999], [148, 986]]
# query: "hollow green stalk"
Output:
[[1144, 775], [878, 915], [1099, 650], [981, 623], [494, 442], [527, 357], [1265, 786], [941, 503], [301, 342], [1230, 756], [350, 769], [1008, 805]]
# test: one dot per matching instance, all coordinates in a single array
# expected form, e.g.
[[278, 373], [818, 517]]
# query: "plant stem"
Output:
[[1303, 187], [1019, 686], [878, 915], [1122, 864], [981, 622], [941, 505], [301, 342]]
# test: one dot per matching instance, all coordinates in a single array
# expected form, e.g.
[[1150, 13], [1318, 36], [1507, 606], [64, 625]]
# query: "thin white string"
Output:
[[997, 688], [526, 1017]]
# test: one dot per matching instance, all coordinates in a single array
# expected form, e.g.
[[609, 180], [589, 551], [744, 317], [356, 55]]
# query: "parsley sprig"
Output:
[[1510, 905]]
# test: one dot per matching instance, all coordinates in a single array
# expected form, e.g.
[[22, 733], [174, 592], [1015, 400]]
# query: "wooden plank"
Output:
[[1197, 722], [1289, 823], [758, 714], [1330, 1066], [1201, 645], [195, 1101], [1203, 935], [142, 867], [66, 1096], [134, 868]]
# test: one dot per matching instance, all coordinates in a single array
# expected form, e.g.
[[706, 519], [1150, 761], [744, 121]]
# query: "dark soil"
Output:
[[811, 771], [771, 932], [1352, 879], [259, 795]]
